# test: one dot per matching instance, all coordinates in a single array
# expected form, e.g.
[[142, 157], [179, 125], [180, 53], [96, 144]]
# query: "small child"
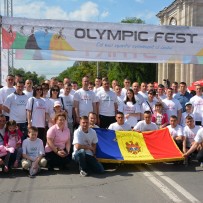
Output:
[[188, 112], [160, 118], [33, 152], [57, 109], [12, 140]]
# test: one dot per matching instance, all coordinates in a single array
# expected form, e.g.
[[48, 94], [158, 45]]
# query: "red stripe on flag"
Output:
[[161, 144]]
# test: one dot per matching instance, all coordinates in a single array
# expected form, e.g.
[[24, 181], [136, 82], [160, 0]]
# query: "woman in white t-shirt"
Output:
[[54, 96], [37, 112], [131, 109]]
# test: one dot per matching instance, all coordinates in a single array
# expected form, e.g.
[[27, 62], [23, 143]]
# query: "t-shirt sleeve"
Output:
[[41, 148], [76, 139], [29, 104], [7, 102], [95, 138], [199, 136], [51, 132], [24, 146]]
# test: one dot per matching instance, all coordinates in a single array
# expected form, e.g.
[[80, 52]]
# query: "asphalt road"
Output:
[[162, 182]]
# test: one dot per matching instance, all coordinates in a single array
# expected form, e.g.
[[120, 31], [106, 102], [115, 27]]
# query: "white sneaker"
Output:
[[83, 173], [201, 164]]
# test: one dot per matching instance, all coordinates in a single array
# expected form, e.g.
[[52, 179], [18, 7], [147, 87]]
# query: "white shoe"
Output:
[[83, 173], [201, 164]]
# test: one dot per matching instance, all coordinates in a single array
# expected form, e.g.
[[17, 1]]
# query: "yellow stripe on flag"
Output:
[[132, 146]]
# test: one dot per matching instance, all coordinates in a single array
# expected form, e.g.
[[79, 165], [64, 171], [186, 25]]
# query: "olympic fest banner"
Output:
[[40, 39]]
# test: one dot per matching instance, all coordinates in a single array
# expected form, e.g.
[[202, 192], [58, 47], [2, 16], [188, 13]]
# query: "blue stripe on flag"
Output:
[[107, 146]]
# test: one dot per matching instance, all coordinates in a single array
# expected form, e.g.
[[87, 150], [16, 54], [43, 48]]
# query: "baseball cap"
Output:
[[188, 103], [57, 103]]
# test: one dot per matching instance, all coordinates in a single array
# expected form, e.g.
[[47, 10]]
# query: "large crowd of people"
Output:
[[49, 124]]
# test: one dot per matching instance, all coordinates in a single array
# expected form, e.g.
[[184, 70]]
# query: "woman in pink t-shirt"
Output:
[[58, 143]]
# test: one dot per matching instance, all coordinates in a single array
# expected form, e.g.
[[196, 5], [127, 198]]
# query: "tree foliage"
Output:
[[29, 75]]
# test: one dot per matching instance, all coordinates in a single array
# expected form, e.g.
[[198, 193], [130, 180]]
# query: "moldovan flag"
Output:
[[134, 147]]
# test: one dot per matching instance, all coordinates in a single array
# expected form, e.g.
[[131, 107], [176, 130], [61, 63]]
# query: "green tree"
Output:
[[81, 69], [29, 75], [134, 71]]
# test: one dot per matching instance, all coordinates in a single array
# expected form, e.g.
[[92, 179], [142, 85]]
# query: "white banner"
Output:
[[88, 41]]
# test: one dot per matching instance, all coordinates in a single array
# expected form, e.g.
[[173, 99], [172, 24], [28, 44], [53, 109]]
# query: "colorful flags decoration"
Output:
[[134, 147]]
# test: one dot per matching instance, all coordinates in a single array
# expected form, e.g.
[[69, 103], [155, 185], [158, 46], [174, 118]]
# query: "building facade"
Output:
[[181, 13]]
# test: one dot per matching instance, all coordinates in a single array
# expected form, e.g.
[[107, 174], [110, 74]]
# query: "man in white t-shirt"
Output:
[[127, 85], [120, 97], [107, 105], [146, 124], [197, 102], [143, 90], [120, 124], [189, 132], [15, 105], [84, 100], [85, 141], [172, 106], [5, 91], [97, 86], [68, 106], [28, 88], [176, 131], [197, 144], [138, 97]]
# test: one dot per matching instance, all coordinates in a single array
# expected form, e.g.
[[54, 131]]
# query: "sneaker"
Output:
[[201, 164], [83, 173]]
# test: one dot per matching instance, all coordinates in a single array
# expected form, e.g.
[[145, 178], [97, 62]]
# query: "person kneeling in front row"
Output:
[[33, 152], [85, 141]]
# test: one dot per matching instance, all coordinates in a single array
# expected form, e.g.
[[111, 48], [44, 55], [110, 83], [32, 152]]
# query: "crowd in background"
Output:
[[41, 125]]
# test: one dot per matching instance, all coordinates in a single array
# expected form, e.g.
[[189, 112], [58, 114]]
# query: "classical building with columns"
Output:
[[181, 13]]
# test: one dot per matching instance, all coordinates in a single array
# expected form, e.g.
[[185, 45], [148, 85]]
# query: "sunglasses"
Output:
[[55, 90], [38, 89]]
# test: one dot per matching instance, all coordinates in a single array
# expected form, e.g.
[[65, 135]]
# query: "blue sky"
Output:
[[95, 11]]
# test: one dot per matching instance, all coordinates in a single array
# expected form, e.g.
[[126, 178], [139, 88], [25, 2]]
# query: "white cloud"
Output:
[[39, 9], [86, 12], [104, 14]]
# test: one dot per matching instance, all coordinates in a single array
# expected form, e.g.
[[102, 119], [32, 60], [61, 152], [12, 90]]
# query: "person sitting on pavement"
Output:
[[176, 131], [120, 124], [92, 120], [146, 124], [189, 132], [85, 141], [33, 152], [13, 141], [197, 144], [58, 143]]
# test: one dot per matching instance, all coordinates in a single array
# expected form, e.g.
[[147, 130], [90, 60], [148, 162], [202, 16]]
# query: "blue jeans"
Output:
[[23, 129], [87, 162]]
